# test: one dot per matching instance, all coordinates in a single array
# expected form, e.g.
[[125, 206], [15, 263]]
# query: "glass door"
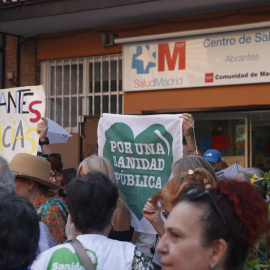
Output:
[[242, 137], [260, 140], [224, 133]]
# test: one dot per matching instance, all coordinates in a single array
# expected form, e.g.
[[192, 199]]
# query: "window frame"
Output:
[[85, 95]]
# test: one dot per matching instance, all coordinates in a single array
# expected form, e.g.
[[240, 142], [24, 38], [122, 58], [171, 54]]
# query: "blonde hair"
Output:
[[97, 163]]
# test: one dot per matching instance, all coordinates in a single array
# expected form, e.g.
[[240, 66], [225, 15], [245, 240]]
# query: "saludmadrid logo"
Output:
[[150, 59], [141, 64], [162, 82]]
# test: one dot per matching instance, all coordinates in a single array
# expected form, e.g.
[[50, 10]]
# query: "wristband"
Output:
[[45, 142]]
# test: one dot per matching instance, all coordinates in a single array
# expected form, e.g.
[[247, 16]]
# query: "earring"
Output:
[[29, 189], [212, 266]]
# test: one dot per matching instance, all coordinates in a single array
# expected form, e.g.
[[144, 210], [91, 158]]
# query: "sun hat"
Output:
[[32, 167], [212, 155]]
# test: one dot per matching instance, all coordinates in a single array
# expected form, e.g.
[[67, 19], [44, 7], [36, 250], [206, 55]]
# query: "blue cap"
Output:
[[212, 155]]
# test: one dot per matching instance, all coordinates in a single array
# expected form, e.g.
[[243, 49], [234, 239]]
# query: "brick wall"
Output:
[[11, 58], [29, 66]]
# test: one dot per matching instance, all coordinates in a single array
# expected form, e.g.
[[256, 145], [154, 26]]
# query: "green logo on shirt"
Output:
[[64, 258]]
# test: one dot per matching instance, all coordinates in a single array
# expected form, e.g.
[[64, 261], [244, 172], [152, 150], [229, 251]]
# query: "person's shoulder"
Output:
[[55, 200], [50, 251], [121, 243], [47, 202], [53, 255], [55, 203]]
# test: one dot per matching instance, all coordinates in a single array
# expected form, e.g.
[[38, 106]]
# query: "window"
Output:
[[225, 132], [2, 62], [242, 137], [82, 86]]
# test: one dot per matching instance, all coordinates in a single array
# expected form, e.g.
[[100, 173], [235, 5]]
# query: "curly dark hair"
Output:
[[245, 212]]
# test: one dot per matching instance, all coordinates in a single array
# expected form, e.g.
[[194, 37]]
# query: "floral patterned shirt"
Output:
[[53, 212], [140, 261]]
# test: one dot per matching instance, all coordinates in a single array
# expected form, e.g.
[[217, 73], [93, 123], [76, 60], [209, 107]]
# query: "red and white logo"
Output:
[[209, 77], [179, 52]]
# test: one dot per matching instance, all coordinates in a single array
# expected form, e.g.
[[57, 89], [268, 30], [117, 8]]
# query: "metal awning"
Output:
[[36, 17]]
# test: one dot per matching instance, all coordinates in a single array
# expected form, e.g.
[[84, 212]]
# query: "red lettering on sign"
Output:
[[36, 112], [179, 52]]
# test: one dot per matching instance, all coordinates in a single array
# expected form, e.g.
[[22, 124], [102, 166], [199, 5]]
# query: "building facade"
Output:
[[83, 72]]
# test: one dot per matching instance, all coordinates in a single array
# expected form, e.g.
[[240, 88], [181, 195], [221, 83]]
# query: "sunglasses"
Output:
[[57, 176], [47, 156], [165, 214], [196, 194]]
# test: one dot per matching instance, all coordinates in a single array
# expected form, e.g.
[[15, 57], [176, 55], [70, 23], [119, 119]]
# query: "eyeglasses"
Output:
[[199, 194], [47, 156], [57, 176]]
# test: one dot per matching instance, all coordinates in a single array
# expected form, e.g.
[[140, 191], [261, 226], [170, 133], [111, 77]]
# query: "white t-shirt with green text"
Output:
[[105, 254]]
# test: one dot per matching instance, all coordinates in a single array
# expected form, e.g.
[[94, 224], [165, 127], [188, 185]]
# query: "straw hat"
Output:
[[32, 167]]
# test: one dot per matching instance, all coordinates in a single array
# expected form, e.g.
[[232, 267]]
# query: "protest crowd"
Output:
[[55, 218]]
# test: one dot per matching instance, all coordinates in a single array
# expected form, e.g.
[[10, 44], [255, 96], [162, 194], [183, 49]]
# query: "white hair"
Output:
[[7, 177]]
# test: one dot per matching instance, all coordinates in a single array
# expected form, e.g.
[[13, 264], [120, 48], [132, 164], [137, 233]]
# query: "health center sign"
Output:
[[221, 59], [21, 109]]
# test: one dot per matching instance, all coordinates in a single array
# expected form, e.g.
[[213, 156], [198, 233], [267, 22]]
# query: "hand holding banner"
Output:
[[21, 108], [230, 172], [141, 150]]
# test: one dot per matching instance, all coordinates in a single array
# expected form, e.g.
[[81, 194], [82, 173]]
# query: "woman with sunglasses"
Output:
[[159, 206], [213, 229]]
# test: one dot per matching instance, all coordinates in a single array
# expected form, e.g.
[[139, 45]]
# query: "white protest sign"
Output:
[[20, 108], [230, 172], [141, 150]]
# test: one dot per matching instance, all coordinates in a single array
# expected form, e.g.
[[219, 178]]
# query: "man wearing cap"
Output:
[[32, 181], [213, 156]]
